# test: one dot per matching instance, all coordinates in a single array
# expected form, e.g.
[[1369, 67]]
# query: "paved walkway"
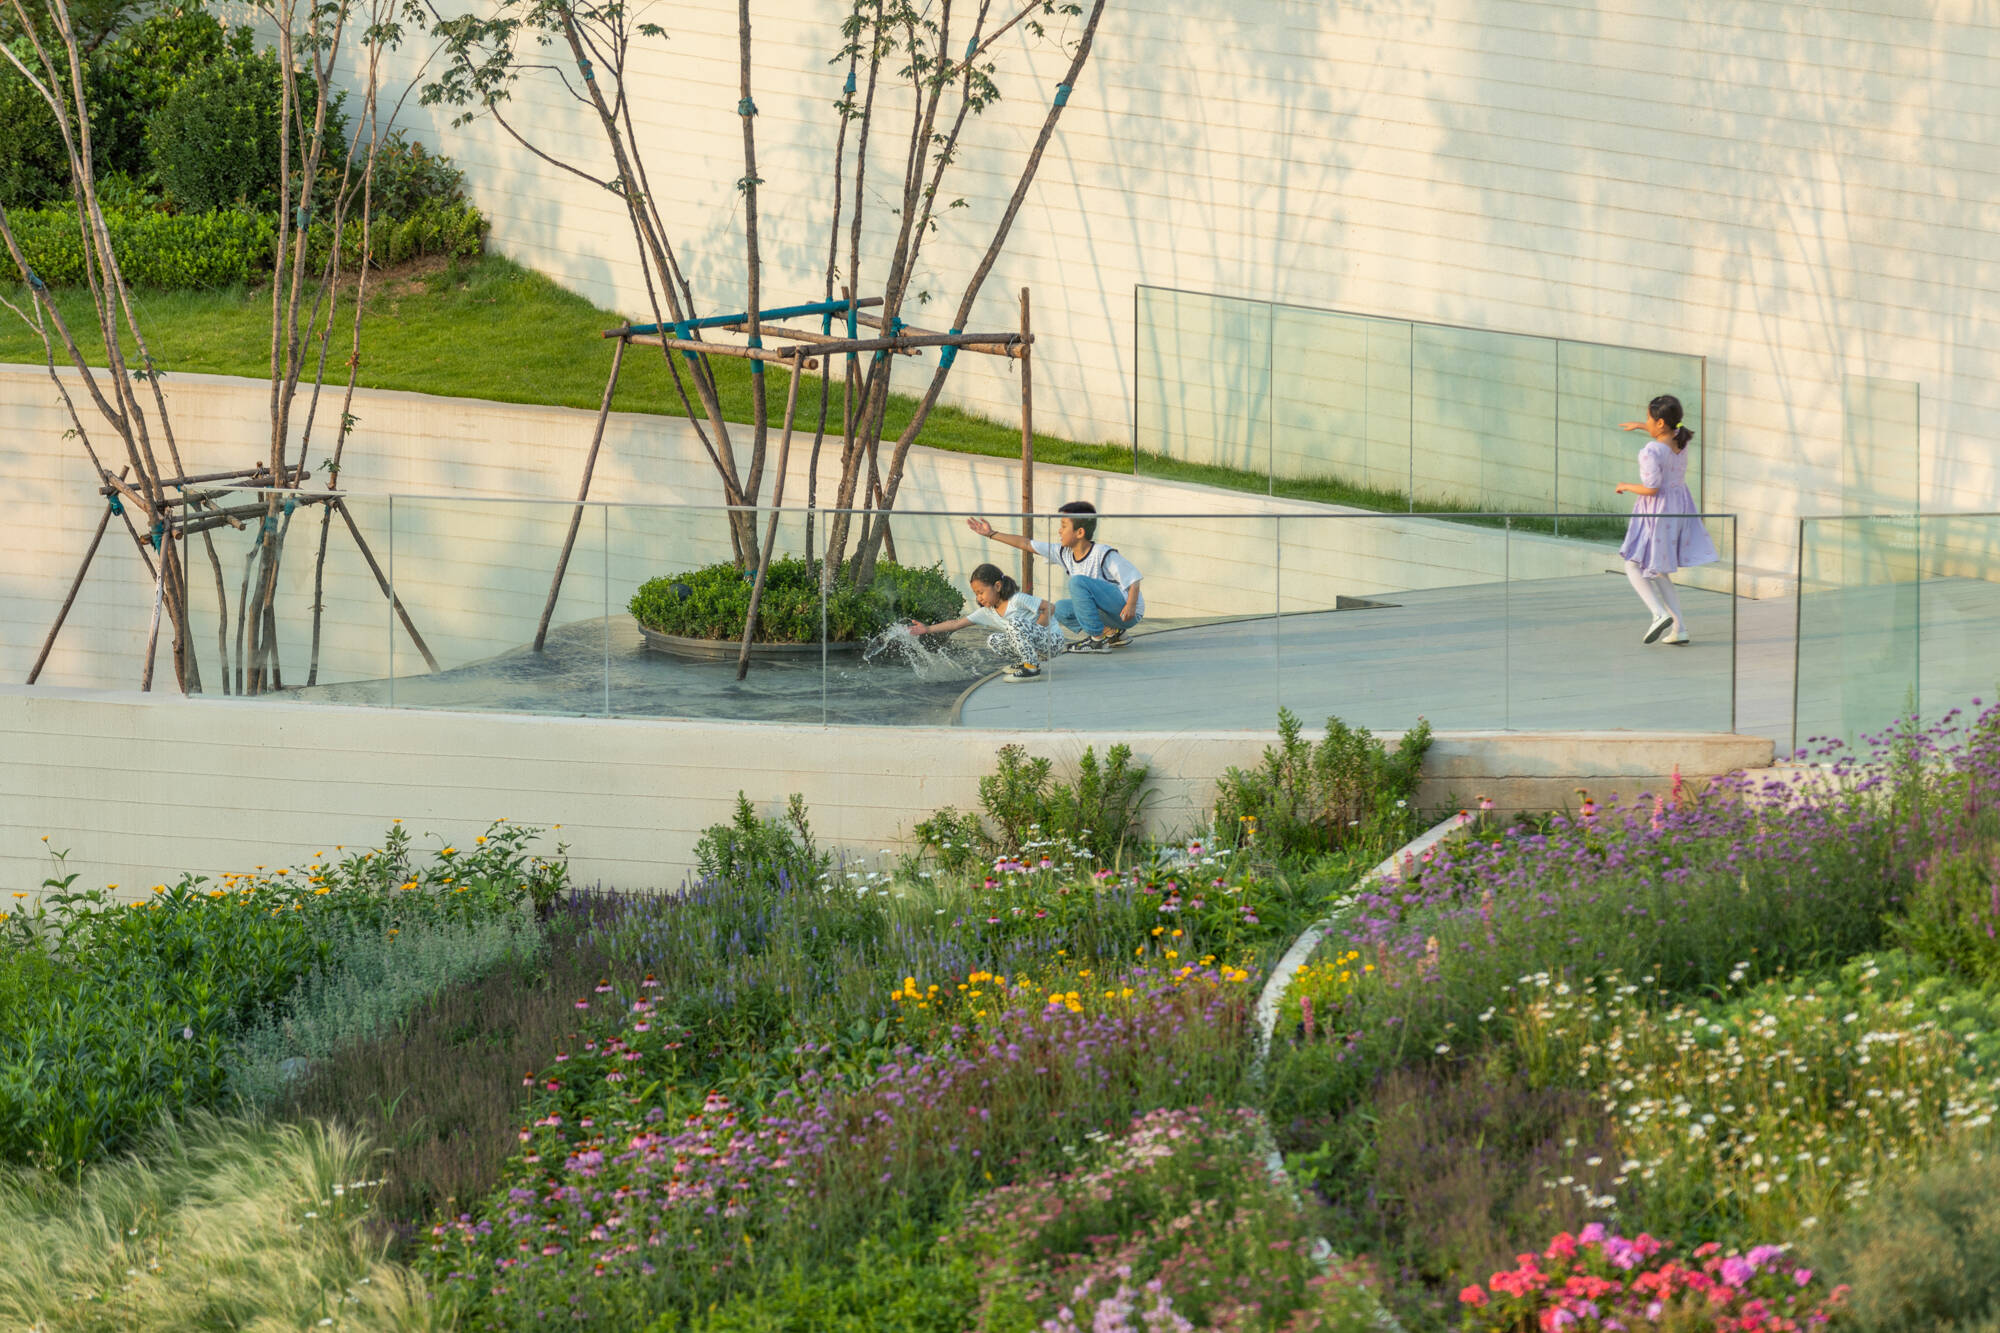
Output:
[[1557, 654]]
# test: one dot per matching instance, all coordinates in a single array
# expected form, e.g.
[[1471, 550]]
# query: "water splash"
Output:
[[928, 659]]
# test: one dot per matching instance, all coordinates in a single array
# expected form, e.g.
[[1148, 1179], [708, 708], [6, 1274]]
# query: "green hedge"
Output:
[[452, 230], [711, 603], [179, 251]]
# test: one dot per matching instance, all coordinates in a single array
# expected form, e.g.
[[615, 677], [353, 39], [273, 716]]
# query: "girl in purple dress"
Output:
[[1665, 534]]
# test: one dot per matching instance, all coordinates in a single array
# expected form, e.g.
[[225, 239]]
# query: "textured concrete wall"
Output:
[[141, 788], [1801, 192]]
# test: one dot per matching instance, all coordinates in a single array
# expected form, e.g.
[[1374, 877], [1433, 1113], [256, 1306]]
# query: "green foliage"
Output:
[[751, 849], [139, 1017], [898, 1283], [366, 985], [1098, 813], [135, 75], [448, 230], [1442, 1174], [1175, 1221], [155, 250], [1953, 916], [711, 603], [215, 140], [1924, 1255], [1305, 798], [34, 168], [410, 178], [217, 1224]]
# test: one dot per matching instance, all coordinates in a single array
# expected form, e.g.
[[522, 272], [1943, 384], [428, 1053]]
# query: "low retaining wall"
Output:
[[140, 788]]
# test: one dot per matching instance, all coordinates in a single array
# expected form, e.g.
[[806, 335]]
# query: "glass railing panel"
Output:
[[1879, 445], [1858, 604], [1575, 645], [1599, 387], [476, 577], [923, 575], [282, 599], [1202, 405], [1340, 423], [1391, 618], [1958, 612], [1483, 420]]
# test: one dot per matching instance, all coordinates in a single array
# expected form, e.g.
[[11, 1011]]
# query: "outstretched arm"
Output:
[[941, 627], [1636, 489], [985, 529]]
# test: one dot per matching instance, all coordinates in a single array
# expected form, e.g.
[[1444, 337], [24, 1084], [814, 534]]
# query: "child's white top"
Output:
[[1021, 603], [1099, 562]]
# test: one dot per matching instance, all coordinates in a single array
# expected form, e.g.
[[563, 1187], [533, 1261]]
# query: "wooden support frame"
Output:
[[809, 351]]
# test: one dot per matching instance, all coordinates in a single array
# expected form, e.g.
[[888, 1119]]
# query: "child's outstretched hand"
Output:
[[918, 627], [1631, 425], [980, 526]]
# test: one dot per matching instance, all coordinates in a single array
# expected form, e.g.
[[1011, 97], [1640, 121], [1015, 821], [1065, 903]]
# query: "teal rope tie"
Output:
[[756, 366], [682, 328], [588, 73], [303, 217], [950, 354], [270, 525], [746, 107], [35, 281], [971, 45], [849, 89], [895, 330], [291, 503], [1062, 94], [116, 508], [154, 537]]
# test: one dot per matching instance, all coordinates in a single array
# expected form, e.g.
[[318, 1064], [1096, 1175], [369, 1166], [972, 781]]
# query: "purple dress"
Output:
[[1664, 534]]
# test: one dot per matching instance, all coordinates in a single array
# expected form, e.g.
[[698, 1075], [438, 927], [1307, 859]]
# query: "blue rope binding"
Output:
[[116, 508], [950, 354], [1062, 94]]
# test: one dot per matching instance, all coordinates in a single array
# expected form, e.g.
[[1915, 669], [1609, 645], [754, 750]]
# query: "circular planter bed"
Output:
[[715, 650]]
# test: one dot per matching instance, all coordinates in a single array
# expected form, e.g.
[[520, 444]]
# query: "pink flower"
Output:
[[1472, 1295]]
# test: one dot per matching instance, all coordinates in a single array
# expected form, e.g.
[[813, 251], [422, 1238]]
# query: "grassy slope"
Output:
[[495, 330]]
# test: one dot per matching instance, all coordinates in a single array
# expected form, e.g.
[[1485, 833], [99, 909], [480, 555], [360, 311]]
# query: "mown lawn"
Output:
[[495, 330]]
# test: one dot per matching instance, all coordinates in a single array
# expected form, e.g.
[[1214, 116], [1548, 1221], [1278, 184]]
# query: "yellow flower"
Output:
[[1177, 934], [480, 839], [320, 890], [1173, 953], [449, 851]]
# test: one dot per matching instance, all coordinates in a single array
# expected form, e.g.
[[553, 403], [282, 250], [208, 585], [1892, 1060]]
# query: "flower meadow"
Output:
[[1703, 1060], [1719, 1017]]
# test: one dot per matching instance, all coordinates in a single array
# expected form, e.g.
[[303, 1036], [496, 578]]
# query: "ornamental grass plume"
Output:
[[219, 1224]]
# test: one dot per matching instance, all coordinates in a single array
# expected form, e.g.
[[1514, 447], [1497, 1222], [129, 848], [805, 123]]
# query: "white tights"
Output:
[[1655, 590]]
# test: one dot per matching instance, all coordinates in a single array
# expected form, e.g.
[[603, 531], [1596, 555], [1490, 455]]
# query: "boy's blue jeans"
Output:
[[1091, 603]]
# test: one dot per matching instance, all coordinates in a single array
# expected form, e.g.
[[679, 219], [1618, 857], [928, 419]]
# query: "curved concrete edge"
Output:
[[1391, 867]]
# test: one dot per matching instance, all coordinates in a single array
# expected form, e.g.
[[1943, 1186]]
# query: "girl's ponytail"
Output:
[[997, 579], [1667, 410]]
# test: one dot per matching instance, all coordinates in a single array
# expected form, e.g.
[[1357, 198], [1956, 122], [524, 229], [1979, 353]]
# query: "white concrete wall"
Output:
[[141, 788], [473, 531], [1803, 193]]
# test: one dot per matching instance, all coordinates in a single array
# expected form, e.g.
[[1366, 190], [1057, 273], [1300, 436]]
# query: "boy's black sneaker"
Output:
[[1023, 671], [1089, 645], [1115, 638]]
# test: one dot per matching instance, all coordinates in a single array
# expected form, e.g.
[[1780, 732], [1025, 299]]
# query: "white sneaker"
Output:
[[1678, 638], [1657, 628]]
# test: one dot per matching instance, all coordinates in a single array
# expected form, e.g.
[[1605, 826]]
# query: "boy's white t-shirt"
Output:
[[1018, 604], [1099, 562]]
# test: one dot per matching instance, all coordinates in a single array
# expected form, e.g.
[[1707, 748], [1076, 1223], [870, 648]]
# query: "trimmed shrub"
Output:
[[410, 178], [173, 252], [133, 76], [34, 168], [711, 603], [215, 139]]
